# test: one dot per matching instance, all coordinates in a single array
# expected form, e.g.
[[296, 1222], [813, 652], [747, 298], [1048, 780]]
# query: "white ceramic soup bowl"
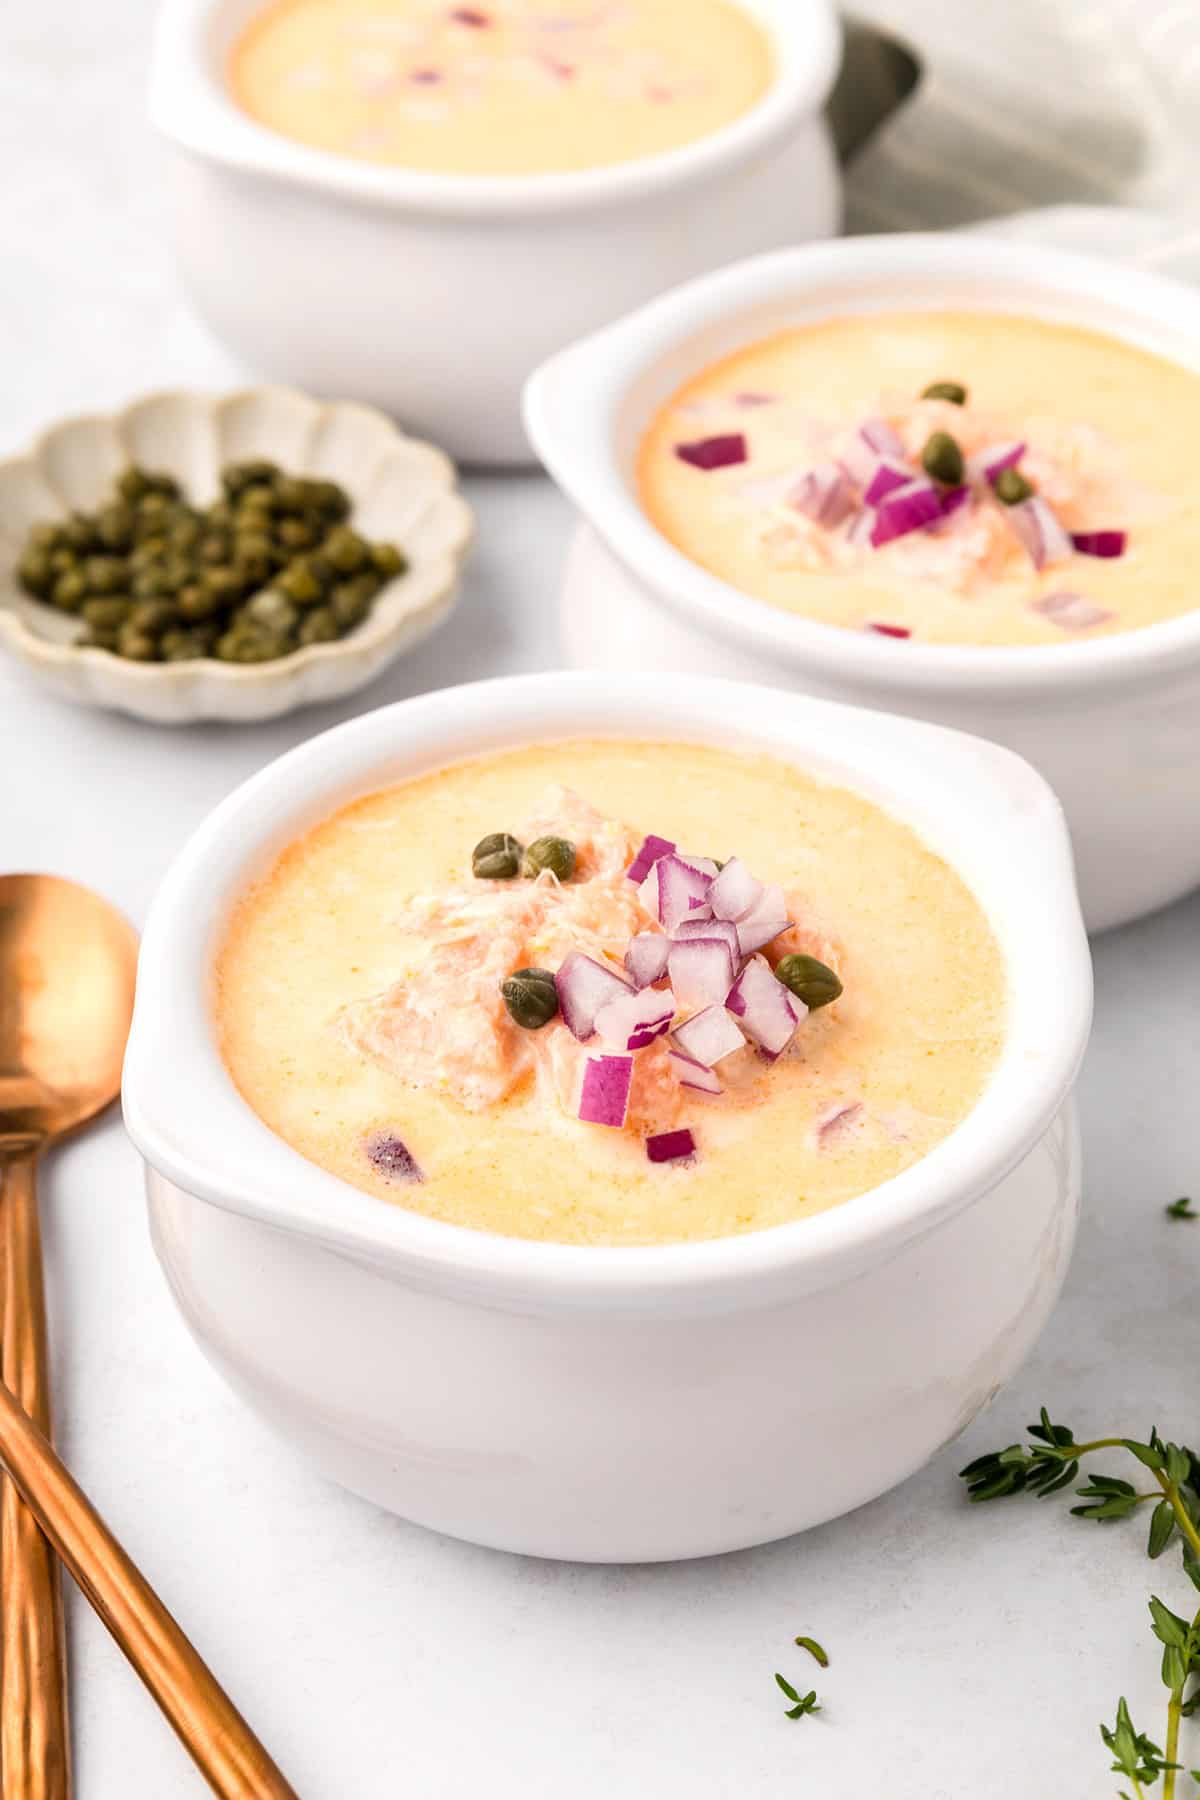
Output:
[[622, 1404], [1114, 724], [434, 295]]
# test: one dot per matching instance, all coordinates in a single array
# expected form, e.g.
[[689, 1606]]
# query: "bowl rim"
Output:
[[190, 1123], [45, 653], [190, 105], [573, 407]]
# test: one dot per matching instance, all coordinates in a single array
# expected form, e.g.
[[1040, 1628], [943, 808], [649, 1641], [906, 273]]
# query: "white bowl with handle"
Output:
[[622, 1404], [1113, 724], [433, 295]]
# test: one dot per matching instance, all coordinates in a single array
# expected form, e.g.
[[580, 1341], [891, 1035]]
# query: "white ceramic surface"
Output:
[[1114, 724], [435, 296], [403, 492], [509, 1392]]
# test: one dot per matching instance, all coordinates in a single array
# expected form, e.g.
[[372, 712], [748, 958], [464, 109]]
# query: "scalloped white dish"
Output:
[[402, 490]]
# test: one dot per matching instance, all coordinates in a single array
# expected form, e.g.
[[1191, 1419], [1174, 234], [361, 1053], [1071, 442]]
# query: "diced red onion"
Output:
[[470, 15], [391, 1157], [985, 465], [873, 442], [709, 928], [693, 1074], [1099, 543], [906, 509], [604, 1090], [764, 1008], [714, 452], [879, 436], [953, 498], [887, 478], [765, 920], [734, 891], [632, 1021], [646, 957], [701, 969], [584, 986], [1039, 529], [703, 865], [892, 631], [670, 1146], [674, 891], [652, 848], [709, 1036], [1073, 612], [824, 494]]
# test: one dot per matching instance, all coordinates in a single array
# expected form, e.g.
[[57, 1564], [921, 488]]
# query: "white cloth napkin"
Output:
[[1034, 103]]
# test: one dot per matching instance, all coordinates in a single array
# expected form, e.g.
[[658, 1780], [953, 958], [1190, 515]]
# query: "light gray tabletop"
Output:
[[973, 1651]]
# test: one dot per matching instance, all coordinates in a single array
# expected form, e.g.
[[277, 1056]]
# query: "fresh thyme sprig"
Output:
[[1051, 1462], [1181, 1209], [804, 1703]]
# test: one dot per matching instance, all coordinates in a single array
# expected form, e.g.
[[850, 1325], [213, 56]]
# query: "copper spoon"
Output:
[[67, 965]]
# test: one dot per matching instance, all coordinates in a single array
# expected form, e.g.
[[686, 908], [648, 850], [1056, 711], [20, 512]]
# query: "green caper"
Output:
[[182, 646], [531, 998], [63, 559], [215, 548], [70, 590], [496, 857], [197, 601], [109, 613], [291, 493], [810, 980], [151, 617], [351, 601], [253, 569], [1011, 487], [346, 550], [114, 527], [36, 574], [954, 391], [224, 585], [299, 584], [105, 574], [272, 611], [296, 534], [148, 582], [388, 560], [237, 477], [258, 497], [133, 483], [943, 459], [46, 536], [95, 637], [553, 854], [154, 511], [77, 533], [329, 498], [318, 627], [137, 645]]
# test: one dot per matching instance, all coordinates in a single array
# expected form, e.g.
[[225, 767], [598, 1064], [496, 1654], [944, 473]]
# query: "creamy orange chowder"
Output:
[[502, 87], [1042, 493], [361, 1010]]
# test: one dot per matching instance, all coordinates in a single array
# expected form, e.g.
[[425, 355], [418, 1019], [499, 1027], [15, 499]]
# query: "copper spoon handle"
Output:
[[222, 1745], [35, 1745]]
